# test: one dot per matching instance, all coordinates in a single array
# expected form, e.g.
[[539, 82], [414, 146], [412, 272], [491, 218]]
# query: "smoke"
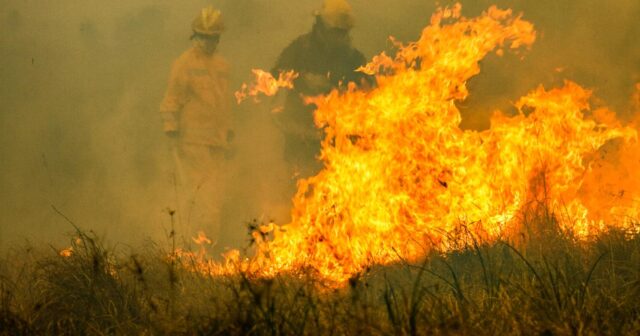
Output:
[[82, 81]]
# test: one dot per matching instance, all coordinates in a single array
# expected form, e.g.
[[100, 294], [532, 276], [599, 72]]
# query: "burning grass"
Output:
[[551, 283], [414, 226], [401, 176]]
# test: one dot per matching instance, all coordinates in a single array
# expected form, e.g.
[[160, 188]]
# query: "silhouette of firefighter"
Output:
[[323, 58], [197, 120]]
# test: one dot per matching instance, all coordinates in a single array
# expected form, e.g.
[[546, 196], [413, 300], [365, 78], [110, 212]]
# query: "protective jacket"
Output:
[[307, 55], [197, 103]]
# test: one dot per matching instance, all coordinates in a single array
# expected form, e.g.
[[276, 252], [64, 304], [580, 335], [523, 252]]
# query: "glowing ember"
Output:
[[401, 177], [68, 252], [266, 84]]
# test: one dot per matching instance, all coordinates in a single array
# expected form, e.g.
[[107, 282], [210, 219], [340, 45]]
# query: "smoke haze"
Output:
[[82, 80]]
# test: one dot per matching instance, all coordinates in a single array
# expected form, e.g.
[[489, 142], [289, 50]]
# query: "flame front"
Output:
[[400, 175]]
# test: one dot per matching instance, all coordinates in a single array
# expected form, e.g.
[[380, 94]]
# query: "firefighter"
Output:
[[197, 120], [323, 58]]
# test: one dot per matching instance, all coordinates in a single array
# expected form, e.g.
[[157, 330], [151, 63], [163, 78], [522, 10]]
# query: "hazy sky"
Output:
[[81, 82]]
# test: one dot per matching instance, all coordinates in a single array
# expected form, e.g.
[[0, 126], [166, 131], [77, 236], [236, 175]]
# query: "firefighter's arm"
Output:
[[173, 101]]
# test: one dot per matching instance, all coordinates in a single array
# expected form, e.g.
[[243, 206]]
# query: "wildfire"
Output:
[[266, 84], [401, 177]]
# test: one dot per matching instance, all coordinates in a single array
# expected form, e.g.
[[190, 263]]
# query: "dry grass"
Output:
[[550, 284]]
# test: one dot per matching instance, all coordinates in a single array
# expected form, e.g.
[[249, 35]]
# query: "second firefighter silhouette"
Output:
[[323, 58]]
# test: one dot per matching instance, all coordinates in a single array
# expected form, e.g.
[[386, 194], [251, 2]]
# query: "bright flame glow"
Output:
[[401, 177]]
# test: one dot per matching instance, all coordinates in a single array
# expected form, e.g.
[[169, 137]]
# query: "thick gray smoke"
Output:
[[81, 83]]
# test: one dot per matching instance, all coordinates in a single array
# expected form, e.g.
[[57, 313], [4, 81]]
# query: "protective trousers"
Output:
[[201, 176]]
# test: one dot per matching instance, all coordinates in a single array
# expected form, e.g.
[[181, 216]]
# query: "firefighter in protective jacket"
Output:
[[197, 119]]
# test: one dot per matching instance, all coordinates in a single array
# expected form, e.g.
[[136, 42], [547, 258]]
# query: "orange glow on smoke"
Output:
[[400, 177]]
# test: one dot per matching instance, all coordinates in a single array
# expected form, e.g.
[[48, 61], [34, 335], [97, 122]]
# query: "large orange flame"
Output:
[[400, 175]]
